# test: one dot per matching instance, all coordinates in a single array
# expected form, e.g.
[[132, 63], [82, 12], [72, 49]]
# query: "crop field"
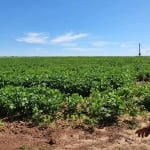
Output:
[[94, 89], [85, 90]]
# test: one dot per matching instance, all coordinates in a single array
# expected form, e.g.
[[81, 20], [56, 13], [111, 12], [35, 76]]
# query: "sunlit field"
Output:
[[73, 102], [94, 89]]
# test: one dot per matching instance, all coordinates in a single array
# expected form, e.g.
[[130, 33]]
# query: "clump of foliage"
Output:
[[34, 102], [146, 102]]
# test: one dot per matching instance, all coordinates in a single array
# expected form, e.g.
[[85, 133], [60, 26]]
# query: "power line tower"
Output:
[[139, 49]]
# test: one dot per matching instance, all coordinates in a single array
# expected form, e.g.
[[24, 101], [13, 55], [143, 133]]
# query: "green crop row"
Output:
[[70, 82], [45, 104]]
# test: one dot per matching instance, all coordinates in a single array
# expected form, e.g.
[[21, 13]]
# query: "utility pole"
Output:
[[139, 49]]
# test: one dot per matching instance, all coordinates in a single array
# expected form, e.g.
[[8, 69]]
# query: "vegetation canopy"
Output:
[[94, 90]]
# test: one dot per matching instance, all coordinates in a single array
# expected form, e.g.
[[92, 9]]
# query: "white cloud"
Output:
[[128, 44], [71, 44], [145, 51], [100, 43], [103, 43], [67, 38], [33, 37], [77, 49]]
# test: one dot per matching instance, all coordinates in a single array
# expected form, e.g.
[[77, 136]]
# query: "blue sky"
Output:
[[74, 27]]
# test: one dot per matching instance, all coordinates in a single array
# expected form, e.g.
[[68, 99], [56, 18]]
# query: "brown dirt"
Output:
[[23, 136]]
